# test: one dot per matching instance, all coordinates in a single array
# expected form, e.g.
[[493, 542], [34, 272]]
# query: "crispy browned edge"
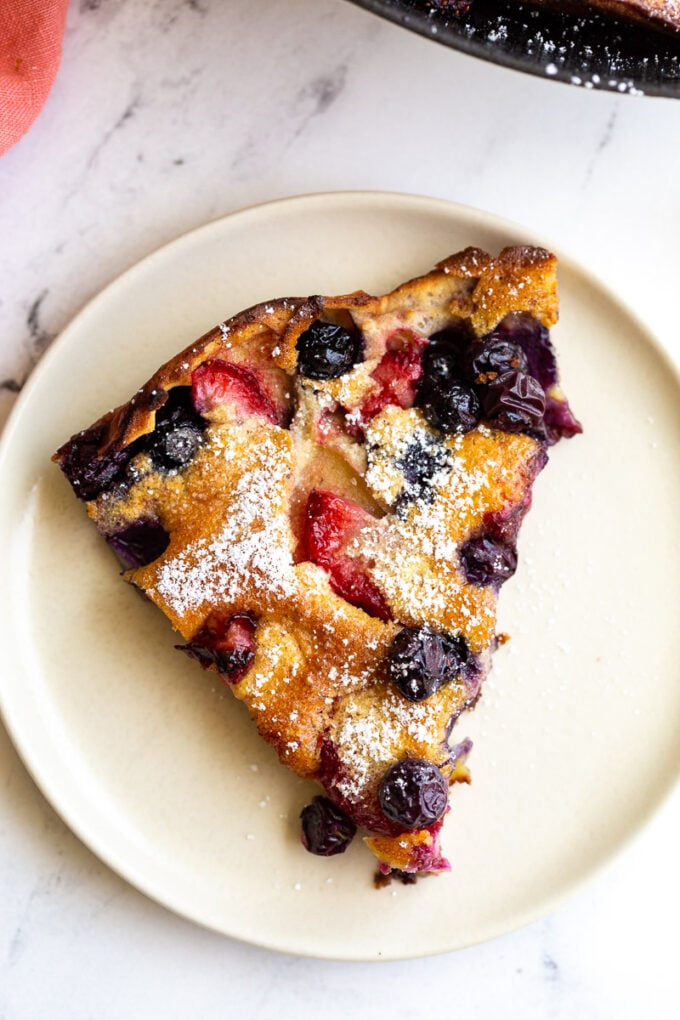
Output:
[[658, 14], [287, 317]]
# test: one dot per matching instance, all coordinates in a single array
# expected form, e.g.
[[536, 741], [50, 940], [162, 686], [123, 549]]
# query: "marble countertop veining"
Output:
[[165, 114]]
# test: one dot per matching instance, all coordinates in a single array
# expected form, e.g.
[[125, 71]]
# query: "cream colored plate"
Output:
[[160, 771]]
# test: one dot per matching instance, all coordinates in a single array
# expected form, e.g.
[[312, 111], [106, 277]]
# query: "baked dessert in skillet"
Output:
[[660, 14], [323, 495]]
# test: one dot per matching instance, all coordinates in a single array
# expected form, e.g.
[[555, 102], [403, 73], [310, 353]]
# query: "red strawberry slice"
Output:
[[349, 580], [331, 524], [216, 383], [397, 375]]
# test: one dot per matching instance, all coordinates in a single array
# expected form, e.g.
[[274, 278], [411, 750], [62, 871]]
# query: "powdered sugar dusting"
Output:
[[462, 492], [394, 438], [408, 579], [346, 674], [369, 739], [251, 550], [414, 556]]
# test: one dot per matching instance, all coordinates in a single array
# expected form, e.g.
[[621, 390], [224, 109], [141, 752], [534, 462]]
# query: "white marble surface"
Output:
[[167, 113]]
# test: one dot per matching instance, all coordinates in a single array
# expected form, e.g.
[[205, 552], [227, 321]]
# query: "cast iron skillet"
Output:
[[592, 51]]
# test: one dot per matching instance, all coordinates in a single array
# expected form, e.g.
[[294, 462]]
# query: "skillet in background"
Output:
[[590, 51]]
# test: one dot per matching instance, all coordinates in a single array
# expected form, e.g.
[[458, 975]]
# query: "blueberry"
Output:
[[444, 354], [91, 472], [492, 356], [327, 351], [413, 793], [451, 406], [423, 459], [326, 830], [421, 660], [177, 433], [448, 402], [528, 333], [439, 366], [140, 543], [487, 560], [514, 402], [87, 471], [176, 446], [522, 330]]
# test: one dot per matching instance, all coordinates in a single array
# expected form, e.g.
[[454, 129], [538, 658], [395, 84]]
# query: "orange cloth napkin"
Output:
[[31, 34]]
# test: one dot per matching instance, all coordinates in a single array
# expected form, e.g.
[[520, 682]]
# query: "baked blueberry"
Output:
[[525, 331], [421, 660], [91, 471], [177, 433], [421, 463], [176, 446], [140, 543], [444, 356], [413, 793], [327, 351], [514, 402], [450, 406], [487, 560], [489, 358], [88, 472], [522, 330], [447, 401], [326, 829]]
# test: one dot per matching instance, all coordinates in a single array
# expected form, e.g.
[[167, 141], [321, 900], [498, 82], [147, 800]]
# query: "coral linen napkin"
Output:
[[31, 33]]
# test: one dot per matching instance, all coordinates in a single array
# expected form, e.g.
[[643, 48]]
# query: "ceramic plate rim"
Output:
[[10, 709]]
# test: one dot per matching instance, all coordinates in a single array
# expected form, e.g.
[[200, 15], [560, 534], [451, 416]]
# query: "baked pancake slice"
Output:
[[323, 496]]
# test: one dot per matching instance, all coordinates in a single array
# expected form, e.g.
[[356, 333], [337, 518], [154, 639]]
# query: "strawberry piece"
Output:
[[331, 525], [397, 374], [216, 383], [349, 580], [227, 644]]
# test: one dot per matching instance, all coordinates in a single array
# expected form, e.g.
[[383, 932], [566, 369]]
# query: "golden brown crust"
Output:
[[471, 284]]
